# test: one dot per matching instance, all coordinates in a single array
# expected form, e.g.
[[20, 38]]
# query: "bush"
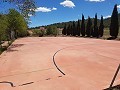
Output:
[[52, 30], [22, 33], [39, 33]]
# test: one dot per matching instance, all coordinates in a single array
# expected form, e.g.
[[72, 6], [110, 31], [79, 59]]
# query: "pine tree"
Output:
[[95, 33], [88, 27], [78, 27], [101, 27], [114, 26], [83, 26]]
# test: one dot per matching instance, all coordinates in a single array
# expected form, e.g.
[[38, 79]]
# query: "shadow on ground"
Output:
[[11, 48]]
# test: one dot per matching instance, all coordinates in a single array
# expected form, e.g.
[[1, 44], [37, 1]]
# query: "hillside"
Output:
[[61, 24], [106, 22]]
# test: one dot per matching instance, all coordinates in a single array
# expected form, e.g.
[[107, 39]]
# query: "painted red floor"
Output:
[[88, 64]]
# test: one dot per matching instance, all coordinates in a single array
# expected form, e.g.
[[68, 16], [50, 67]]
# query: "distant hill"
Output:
[[106, 22], [61, 24]]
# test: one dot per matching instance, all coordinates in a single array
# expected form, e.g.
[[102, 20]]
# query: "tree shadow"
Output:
[[16, 45], [11, 48], [111, 38]]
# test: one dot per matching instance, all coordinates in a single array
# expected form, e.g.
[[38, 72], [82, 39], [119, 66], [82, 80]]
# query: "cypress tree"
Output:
[[78, 27], [68, 30], [64, 31], [89, 27], [71, 30], [76, 32], [95, 32], [92, 31], [74, 29], [83, 26], [101, 27], [114, 26]]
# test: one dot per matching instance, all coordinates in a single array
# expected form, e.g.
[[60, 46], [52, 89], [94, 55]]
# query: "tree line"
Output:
[[92, 29], [89, 30]]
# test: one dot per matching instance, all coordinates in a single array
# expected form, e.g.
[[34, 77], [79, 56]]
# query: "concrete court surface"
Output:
[[88, 64]]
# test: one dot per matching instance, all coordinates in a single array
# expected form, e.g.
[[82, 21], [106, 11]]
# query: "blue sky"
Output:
[[54, 11]]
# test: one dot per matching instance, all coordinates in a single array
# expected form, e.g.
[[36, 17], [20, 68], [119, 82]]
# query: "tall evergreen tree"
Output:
[[83, 26], [78, 27], [64, 31], [71, 30], [68, 30], [92, 30], [101, 27], [95, 33], [88, 27], [114, 26], [74, 29]]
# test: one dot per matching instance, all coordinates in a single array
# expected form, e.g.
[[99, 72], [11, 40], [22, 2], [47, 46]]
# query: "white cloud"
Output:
[[67, 3], [45, 9], [118, 6], [108, 16], [95, 0], [54, 8]]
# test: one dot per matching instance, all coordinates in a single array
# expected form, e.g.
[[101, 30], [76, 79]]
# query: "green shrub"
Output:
[[52, 30], [39, 33]]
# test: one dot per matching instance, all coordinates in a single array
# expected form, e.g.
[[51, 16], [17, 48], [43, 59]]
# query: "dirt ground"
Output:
[[88, 64]]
